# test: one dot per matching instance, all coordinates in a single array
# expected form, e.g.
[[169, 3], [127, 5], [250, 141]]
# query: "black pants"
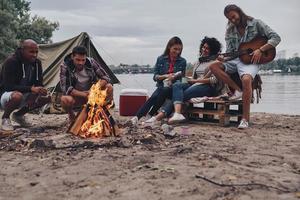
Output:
[[156, 100]]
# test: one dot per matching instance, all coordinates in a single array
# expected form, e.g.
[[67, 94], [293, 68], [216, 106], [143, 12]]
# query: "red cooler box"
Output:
[[131, 100]]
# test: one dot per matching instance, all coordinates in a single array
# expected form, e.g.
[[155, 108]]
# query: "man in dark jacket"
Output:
[[77, 74], [21, 84]]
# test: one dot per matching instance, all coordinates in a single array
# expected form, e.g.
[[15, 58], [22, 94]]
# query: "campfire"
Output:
[[95, 121]]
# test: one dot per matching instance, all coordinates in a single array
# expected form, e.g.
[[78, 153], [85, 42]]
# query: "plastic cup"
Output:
[[185, 130]]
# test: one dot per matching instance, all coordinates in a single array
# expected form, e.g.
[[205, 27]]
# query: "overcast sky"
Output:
[[136, 31]]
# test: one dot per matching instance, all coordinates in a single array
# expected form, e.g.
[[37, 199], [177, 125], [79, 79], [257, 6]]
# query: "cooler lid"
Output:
[[134, 92]]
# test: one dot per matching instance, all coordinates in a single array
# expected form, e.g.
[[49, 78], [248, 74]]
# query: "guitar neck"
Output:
[[235, 54], [231, 55], [245, 51]]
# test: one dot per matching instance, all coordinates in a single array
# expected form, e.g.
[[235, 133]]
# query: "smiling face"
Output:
[[234, 17], [205, 50], [175, 50]]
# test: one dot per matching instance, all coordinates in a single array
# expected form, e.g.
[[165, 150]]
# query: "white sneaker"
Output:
[[243, 124], [236, 96], [150, 122], [147, 117], [20, 119], [177, 117], [6, 125], [134, 120], [198, 99]]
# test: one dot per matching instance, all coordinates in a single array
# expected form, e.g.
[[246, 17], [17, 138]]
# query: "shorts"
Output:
[[236, 65], [6, 96]]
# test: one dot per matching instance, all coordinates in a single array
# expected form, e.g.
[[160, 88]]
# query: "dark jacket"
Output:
[[67, 73], [162, 66], [20, 75]]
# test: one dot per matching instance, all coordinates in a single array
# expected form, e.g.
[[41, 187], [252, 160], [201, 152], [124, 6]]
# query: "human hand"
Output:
[[103, 83], [256, 56], [192, 81], [39, 90], [221, 58], [171, 77]]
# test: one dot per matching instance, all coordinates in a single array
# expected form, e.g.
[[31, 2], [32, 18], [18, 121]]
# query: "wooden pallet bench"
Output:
[[216, 111]]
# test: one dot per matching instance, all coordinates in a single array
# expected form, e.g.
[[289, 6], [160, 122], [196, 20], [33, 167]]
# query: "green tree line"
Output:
[[283, 64], [17, 24]]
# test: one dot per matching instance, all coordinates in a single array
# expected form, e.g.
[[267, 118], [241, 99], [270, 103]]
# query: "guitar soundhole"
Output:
[[249, 51]]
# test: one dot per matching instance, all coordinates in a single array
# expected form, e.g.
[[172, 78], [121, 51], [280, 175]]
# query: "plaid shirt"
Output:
[[254, 28], [67, 74]]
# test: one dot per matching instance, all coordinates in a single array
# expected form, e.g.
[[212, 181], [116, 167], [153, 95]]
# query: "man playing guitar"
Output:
[[241, 29]]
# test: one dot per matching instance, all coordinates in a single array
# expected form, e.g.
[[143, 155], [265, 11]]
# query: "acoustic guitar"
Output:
[[245, 51]]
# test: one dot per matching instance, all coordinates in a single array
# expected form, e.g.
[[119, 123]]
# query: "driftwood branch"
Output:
[[242, 184]]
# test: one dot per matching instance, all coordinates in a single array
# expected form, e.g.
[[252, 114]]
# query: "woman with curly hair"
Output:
[[202, 84]]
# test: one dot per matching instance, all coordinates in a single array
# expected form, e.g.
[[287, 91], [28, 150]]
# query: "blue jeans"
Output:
[[199, 91], [156, 100], [177, 92], [183, 92]]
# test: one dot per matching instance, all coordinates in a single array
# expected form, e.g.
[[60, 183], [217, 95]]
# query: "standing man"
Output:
[[242, 28], [21, 84], [77, 74]]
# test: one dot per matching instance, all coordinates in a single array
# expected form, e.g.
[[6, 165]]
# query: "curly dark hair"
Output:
[[214, 45]]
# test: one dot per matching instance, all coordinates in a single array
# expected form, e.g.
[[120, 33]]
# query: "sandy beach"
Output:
[[202, 161]]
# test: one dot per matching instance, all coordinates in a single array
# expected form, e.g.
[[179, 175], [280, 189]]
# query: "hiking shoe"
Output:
[[177, 117], [243, 124], [236, 96], [134, 120], [6, 125], [20, 119]]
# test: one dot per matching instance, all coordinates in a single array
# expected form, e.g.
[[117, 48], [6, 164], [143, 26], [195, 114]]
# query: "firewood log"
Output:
[[79, 120]]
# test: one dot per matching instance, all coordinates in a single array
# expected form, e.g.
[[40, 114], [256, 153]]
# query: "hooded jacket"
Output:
[[20, 75], [67, 73]]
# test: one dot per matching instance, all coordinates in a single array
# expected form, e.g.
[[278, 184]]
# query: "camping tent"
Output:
[[53, 54]]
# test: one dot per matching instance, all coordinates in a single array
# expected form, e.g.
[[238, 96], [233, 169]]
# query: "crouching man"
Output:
[[21, 85], [77, 74]]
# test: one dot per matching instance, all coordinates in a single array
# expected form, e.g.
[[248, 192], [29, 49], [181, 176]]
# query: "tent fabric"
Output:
[[52, 55]]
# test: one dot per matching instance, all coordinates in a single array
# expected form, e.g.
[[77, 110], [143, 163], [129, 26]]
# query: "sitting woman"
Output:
[[203, 83], [169, 69]]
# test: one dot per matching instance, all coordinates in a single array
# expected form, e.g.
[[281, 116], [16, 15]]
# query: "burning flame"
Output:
[[98, 123]]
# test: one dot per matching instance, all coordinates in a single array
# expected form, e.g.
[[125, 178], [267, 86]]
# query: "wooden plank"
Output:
[[208, 106], [213, 112], [203, 111], [216, 107], [235, 102]]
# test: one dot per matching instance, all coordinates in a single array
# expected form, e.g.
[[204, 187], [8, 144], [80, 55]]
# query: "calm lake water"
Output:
[[281, 92]]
